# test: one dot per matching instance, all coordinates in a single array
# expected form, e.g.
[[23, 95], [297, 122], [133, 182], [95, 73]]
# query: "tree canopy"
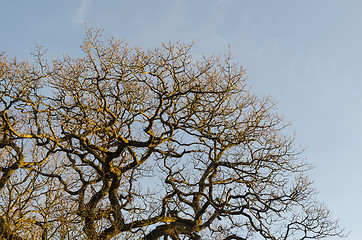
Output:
[[123, 143]]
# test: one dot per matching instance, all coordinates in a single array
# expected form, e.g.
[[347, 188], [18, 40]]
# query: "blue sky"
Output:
[[306, 54]]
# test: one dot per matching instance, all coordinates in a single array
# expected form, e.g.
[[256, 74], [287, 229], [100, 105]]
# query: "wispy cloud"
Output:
[[81, 12]]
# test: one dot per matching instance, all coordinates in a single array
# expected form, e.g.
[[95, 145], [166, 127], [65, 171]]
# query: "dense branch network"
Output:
[[133, 144]]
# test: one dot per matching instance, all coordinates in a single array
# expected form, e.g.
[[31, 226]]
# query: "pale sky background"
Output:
[[306, 54]]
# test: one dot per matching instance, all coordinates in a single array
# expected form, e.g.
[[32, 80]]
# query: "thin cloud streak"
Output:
[[81, 12]]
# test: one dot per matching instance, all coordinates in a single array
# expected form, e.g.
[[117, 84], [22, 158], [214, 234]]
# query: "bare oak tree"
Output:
[[130, 144]]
